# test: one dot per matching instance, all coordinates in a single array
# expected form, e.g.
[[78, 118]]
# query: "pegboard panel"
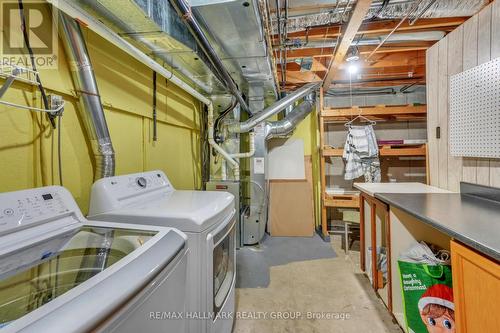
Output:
[[475, 111]]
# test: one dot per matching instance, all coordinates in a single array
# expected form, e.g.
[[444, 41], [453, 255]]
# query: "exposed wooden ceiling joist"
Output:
[[394, 63], [357, 16], [376, 28], [322, 52]]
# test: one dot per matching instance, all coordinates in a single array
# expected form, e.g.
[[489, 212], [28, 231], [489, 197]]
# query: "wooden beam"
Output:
[[364, 50], [376, 111], [358, 15], [326, 52], [383, 27], [417, 150], [409, 58]]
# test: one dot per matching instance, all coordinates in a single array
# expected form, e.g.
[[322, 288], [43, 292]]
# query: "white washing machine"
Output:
[[207, 218], [62, 273]]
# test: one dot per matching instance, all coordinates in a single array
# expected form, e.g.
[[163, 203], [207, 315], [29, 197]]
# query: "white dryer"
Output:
[[62, 273], [207, 218]]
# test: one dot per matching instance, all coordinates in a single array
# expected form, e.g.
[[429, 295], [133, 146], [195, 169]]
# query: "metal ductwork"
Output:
[[287, 125], [258, 118], [381, 10], [184, 11], [90, 100]]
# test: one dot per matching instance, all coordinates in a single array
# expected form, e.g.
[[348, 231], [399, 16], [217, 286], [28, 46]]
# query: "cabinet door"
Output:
[[476, 291]]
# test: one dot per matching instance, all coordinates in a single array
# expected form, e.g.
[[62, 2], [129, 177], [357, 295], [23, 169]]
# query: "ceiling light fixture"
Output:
[[352, 68], [352, 55]]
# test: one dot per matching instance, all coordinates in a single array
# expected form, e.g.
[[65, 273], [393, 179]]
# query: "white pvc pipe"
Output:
[[72, 9], [223, 170], [235, 165], [251, 152]]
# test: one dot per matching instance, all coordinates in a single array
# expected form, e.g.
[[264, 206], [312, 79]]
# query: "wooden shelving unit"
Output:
[[378, 113], [384, 150], [341, 200]]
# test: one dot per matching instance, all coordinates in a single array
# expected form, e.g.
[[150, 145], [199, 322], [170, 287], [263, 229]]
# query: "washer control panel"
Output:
[[132, 185], [21, 209]]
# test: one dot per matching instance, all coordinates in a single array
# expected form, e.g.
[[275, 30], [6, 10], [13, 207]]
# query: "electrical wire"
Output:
[[205, 148], [59, 149], [33, 62], [224, 114], [155, 129], [25, 107]]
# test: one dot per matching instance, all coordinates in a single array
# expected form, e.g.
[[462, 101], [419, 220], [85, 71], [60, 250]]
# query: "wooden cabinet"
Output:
[[476, 291]]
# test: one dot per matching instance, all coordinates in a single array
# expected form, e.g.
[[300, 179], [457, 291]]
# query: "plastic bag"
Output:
[[426, 287]]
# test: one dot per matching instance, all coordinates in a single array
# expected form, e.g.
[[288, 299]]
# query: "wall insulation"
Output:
[[28, 145]]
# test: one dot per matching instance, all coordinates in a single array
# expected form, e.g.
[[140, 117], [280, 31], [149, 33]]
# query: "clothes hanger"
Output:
[[349, 123]]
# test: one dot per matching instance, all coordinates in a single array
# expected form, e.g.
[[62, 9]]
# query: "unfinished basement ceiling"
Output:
[[310, 31], [155, 28], [304, 14], [236, 29]]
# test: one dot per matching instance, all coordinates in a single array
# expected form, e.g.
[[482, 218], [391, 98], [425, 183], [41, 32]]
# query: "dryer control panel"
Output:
[[22, 209], [127, 185]]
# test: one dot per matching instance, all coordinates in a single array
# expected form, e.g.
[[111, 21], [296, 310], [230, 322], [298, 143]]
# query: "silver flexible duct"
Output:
[[90, 100], [393, 10], [258, 118], [184, 11], [287, 125]]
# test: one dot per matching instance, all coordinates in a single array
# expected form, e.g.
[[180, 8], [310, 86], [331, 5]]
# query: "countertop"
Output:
[[471, 220], [372, 188]]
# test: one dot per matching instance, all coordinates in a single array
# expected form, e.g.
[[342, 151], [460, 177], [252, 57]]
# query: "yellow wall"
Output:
[[307, 130], [28, 151]]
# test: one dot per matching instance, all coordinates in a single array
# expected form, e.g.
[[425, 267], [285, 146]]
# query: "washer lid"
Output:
[[190, 211], [94, 269]]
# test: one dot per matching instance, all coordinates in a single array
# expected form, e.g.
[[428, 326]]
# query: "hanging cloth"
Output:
[[361, 154]]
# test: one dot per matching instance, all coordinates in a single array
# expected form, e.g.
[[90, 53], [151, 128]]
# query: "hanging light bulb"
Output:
[[352, 68]]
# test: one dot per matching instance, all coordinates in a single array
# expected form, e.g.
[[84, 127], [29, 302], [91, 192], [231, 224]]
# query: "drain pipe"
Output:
[[90, 100], [251, 152], [248, 125], [184, 11], [215, 145], [288, 124]]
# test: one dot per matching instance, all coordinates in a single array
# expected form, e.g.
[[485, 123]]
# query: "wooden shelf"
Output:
[[377, 113], [341, 200], [385, 150]]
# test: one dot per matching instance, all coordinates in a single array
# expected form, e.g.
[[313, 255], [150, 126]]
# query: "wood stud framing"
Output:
[[404, 62]]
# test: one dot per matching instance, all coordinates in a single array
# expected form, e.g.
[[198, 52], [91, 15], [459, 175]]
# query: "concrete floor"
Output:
[[326, 287]]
